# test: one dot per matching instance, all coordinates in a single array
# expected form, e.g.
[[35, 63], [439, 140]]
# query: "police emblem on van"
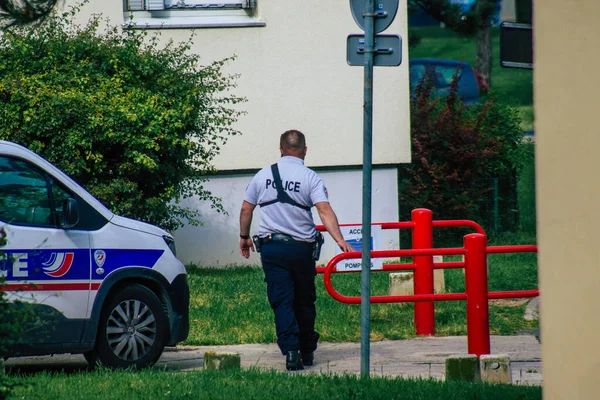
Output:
[[58, 264], [100, 257]]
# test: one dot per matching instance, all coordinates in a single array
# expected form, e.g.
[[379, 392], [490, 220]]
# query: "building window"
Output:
[[190, 14]]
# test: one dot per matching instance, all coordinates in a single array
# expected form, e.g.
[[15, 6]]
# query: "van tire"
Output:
[[125, 340]]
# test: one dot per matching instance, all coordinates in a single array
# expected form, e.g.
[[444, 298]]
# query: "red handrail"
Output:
[[450, 223], [422, 225], [475, 253], [457, 223], [384, 225]]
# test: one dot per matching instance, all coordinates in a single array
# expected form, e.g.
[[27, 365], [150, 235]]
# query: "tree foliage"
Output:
[[454, 16], [136, 123], [22, 12], [476, 20], [5, 329], [10, 320], [454, 148]]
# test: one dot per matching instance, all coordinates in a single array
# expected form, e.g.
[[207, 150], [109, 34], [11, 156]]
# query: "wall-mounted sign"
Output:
[[353, 235]]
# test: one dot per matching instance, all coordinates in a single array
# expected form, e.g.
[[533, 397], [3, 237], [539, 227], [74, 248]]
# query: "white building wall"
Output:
[[294, 74], [216, 243]]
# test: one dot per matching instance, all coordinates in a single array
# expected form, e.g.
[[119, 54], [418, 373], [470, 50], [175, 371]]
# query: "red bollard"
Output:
[[422, 238], [476, 283]]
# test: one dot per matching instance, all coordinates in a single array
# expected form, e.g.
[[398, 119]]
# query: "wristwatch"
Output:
[[244, 236]]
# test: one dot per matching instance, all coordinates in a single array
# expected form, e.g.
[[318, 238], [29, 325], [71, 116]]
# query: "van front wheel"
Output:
[[133, 329]]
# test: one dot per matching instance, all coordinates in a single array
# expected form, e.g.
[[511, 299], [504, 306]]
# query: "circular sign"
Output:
[[385, 12]]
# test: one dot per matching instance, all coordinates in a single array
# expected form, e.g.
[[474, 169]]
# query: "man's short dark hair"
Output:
[[292, 140]]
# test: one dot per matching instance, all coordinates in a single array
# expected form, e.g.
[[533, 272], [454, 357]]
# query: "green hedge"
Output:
[[136, 123]]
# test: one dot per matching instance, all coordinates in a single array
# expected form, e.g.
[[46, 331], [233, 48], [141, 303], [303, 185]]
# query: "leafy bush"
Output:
[[136, 124], [526, 190], [16, 317], [4, 328], [456, 148], [19, 12], [7, 331]]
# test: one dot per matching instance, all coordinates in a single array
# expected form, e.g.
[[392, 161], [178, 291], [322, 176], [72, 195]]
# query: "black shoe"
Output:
[[308, 358], [293, 361]]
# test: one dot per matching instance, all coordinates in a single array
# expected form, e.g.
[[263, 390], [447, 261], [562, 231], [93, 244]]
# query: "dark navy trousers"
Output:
[[290, 276]]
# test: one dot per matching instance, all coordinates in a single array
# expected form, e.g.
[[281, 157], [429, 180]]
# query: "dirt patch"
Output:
[[508, 302]]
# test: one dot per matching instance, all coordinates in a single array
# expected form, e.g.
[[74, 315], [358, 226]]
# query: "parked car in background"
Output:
[[470, 84]]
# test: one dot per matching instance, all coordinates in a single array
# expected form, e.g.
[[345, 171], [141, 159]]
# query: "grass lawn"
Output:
[[229, 306], [251, 384], [510, 86]]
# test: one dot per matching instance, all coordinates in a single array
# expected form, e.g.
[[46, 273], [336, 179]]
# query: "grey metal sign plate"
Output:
[[388, 50], [386, 9]]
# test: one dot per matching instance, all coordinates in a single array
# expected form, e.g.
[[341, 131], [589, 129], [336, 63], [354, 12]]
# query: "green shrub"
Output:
[[18, 12], [526, 190], [463, 158], [4, 328], [135, 123], [7, 330]]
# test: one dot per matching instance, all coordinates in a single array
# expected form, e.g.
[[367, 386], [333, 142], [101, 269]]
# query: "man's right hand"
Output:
[[332, 225]]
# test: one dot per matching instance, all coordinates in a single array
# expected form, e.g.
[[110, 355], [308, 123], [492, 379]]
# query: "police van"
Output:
[[94, 283]]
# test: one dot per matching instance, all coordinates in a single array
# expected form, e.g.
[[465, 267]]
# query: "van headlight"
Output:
[[171, 243]]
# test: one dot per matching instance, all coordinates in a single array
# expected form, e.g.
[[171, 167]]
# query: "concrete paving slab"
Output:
[[420, 357]]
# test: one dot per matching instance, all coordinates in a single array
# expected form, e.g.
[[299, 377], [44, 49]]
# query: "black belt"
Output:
[[281, 237]]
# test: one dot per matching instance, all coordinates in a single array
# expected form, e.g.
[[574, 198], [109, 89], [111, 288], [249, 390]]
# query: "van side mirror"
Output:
[[70, 213]]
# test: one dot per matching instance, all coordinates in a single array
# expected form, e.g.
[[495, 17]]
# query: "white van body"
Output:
[[99, 284]]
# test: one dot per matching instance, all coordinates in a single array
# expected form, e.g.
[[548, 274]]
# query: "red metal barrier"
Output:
[[330, 268], [475, 252], [422, 225], [422, 238], [476, 286]]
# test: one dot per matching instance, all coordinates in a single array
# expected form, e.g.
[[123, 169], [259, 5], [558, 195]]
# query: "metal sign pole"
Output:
[[390, 54], [365, 305]]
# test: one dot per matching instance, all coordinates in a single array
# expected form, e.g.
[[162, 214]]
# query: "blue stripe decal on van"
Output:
[[72, 264]]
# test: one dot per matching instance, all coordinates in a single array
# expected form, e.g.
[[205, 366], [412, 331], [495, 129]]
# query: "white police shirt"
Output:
[[302, 184]]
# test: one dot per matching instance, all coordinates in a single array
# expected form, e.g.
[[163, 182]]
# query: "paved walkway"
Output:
[[422, 357]]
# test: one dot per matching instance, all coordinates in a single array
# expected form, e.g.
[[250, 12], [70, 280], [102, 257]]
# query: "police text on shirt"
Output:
[[289, 186]]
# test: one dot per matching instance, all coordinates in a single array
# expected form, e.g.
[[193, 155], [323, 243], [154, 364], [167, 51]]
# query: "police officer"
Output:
[[286, 236]]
